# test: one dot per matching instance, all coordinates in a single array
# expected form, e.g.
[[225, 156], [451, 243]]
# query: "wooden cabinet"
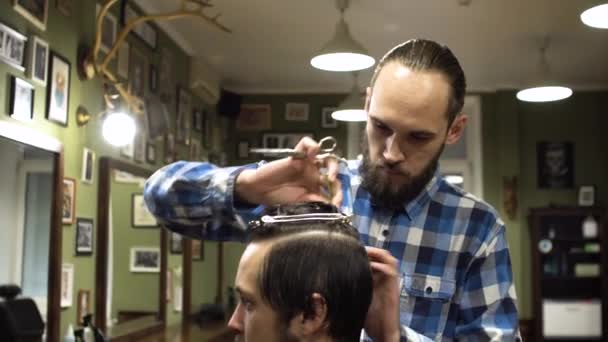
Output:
[[569, 273]]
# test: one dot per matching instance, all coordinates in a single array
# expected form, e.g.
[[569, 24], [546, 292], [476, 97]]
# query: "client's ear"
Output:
[[307, 326]]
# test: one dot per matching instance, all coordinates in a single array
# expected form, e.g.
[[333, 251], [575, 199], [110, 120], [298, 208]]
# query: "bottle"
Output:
[[589, 227], [69, 335]]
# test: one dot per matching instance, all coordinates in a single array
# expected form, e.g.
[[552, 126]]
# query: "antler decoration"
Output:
[[92, 66]]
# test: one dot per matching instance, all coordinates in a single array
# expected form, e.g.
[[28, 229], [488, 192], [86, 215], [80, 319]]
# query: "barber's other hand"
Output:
[[290, 180], [382, 322]]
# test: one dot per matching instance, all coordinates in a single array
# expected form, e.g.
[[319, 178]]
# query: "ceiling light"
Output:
[[596, 16], [118, 129], [353, 106], [542, 89], [342, 52]]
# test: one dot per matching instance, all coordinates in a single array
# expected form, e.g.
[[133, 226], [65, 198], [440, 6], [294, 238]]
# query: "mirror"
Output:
[[130, 296], [31, 191]]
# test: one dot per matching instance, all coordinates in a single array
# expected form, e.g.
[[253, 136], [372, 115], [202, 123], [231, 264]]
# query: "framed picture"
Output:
[[283, 140], [169, 148], [84, 305], [12, 47], [84, 236], [64, 7], [137, 73], [197, 120], [58, 94], [144, 31], [145, 259], [326, 120], [153, 79], [165, 76], [108, 30], [182, 123], [296, 112], [67, 284], [242, 151], [139, 148], [175, 243], [586, 195], [156, 117], [198, 250], [123, 59], [195, 149], [151, 153], [88, 166], [68, 207], [39, 60], [254, 117], [140, 215], [35, 11], [555, 165], [22, 100]]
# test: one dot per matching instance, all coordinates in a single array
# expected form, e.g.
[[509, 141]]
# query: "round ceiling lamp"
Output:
[[352, 109], [596, 16]]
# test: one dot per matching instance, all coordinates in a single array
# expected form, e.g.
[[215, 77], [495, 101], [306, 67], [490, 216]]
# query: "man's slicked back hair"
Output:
[[427, 55]]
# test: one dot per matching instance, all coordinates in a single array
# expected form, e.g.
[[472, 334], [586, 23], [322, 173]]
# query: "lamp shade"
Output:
[[352, 108], [545, 93], [118, 129], [596, 16], [342, 52]]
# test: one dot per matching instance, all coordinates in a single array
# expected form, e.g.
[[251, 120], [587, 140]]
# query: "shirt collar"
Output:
[[413, 208]]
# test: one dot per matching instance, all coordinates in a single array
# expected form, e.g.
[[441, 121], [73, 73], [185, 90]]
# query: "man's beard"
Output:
[[383, 192]]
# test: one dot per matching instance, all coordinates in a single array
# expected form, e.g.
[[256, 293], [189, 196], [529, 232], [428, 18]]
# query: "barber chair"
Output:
[[20, 320]]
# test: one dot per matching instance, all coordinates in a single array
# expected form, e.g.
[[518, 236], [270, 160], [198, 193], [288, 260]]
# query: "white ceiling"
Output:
[[497, 41]]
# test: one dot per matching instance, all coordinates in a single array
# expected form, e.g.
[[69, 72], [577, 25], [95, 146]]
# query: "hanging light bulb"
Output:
[[342, 52], [353, 107], [118, 129], [596, 16], [544, 90]]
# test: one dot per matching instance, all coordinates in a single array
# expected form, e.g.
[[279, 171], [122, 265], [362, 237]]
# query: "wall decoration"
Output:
[[88, 166], [84, 236], [144, 31], [165, 76], [39, 60], [169, 148], [254, 117], [34, 10], [326, 120], [67, 284], [555, 164], [84, 305], [195, 150], [198, 251], [283, 140], [175, 243], [58, 94], [183, 110], [197, 120], [145, 259], [140, 215], [12, 47], [108, 30], [123, 60], [296, 112], [242, 151], [69, 201], [125, 177], [586, 195], [151, 153], [139, 148], [22, 100], [137, 73], [156, 117], [64, 7]]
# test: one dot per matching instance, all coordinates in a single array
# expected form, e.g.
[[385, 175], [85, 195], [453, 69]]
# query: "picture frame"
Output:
[[183, 117], [555, 164], [67, 284], [326, 120], [151, 153], [123, 59], [12, 47], [197, 120], [58, 93], [144, 259], [166, 80], [169, 148], [254, 117], [109, 28], [296, 111], [64, 7], [586, 195], [137, 73], [36, 11], [176, 243], [38, 60], [153, 79], [84, 236], [84, 305], [242, 150], [21, 105], [144, 31], [282, 140], [198, 250], [140, 215], [68, 211], [139, 148], [88, 166], [156, 117]]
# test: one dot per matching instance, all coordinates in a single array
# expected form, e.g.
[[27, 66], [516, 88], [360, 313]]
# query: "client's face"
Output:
[[254, 319]]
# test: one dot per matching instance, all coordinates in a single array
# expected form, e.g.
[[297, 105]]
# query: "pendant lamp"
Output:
[[596, 16], [353, 107]]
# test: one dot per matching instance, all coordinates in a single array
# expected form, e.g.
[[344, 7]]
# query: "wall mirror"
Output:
[[30, 197], [131, 293]]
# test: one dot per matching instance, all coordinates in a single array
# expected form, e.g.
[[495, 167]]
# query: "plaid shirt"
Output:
[[455, 271]]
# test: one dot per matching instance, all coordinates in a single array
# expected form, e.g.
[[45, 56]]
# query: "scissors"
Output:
[[329, 142]]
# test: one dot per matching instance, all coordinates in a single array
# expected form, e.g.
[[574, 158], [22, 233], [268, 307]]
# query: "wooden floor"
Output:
[[212, 332]]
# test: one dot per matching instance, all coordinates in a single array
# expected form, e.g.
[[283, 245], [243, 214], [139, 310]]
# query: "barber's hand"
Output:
[[382, 322], [291, 180]]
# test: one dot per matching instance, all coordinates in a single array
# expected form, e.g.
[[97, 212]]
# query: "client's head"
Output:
[[304, 276]]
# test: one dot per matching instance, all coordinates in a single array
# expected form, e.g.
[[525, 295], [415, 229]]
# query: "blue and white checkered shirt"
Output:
[[455, 269]]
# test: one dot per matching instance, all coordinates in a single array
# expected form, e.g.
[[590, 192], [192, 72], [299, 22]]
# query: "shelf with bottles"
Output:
[[570, 228]]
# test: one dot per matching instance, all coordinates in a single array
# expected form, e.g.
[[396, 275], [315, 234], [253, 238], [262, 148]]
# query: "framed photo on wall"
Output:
[[296, 112], [151, 153], [254, 117], [169, 148], [35, 11], [326, 120], [555, 164], [198, 251], [108, 30], [586, 195], [12, 47], [184, 112], [145, 259], [84, 236], [84, 305], [58, 94], [22, 100], [39, 60], [137, 72], [88, 166], [67, 284], [123, 60], [140, 215], [68, 205]]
